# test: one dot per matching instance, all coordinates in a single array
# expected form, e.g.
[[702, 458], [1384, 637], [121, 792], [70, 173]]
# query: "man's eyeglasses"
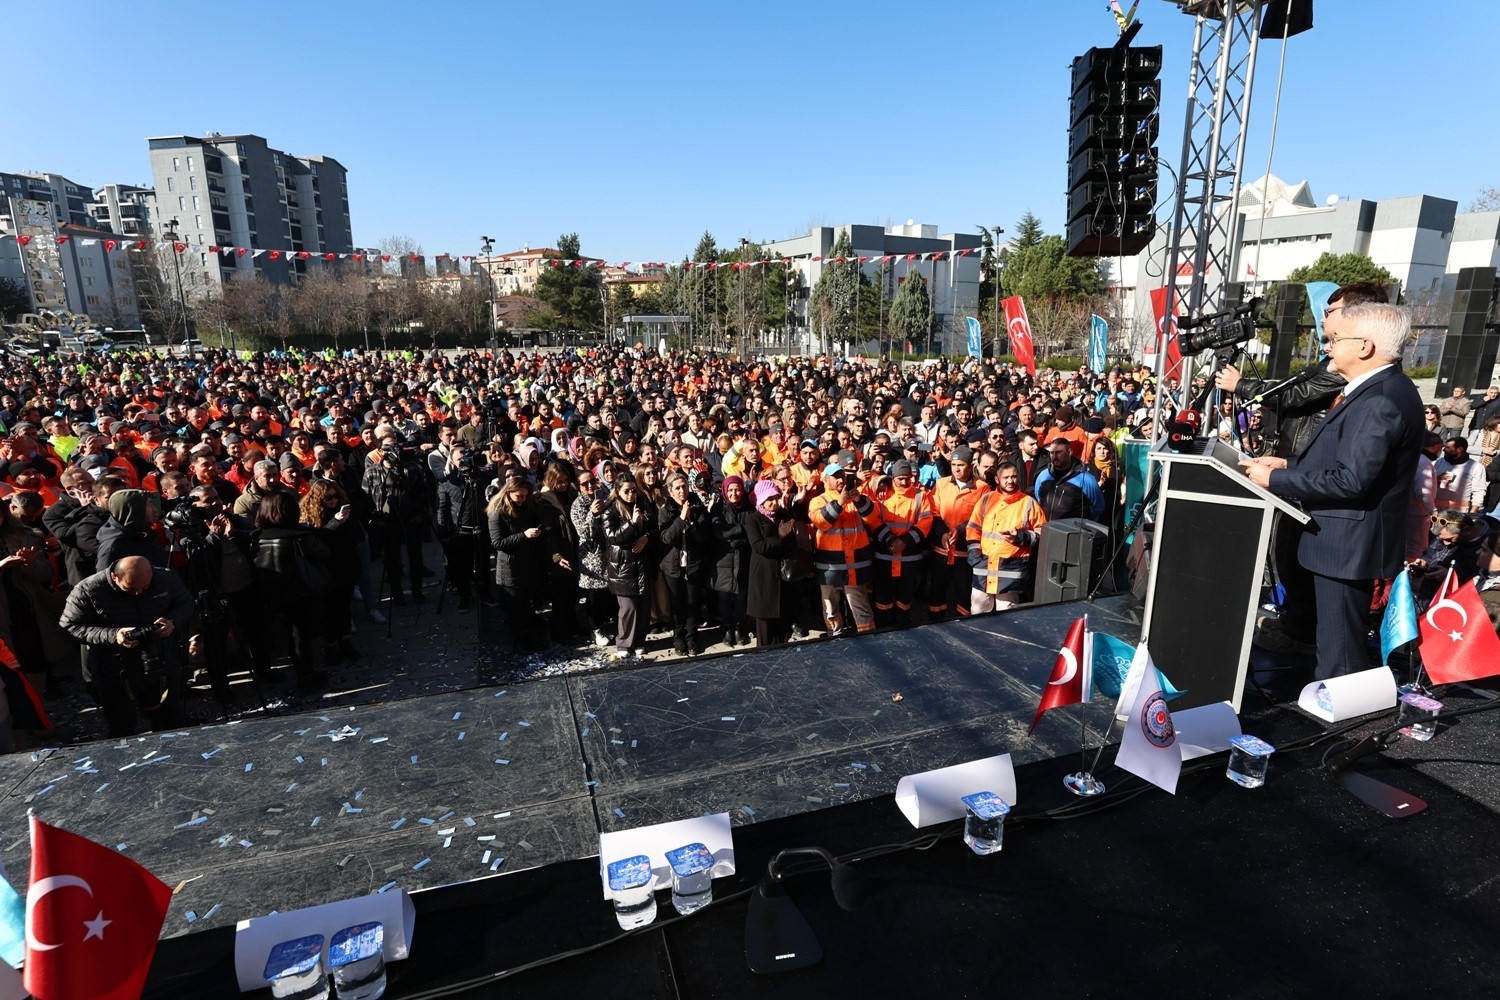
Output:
[[1330, 341], [1331, 310]]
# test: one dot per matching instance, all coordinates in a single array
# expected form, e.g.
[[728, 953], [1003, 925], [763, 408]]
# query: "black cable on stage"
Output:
[[927, 841]]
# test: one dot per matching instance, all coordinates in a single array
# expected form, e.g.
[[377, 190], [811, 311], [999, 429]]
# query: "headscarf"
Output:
[[765, 490], [724, 487]]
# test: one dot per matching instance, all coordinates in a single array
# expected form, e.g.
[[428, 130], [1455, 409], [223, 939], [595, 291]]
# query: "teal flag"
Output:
[[1318, 293], [1098, 343], [12, 924], [976, 338], [1133, 461], [1111, 661], [1399, 626]]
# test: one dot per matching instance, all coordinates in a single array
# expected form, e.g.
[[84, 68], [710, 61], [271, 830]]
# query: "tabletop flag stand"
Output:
[[1097, 661], [1072, 682]]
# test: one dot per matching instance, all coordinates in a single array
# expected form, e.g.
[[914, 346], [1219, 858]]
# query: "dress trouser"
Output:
[[1343, 616]]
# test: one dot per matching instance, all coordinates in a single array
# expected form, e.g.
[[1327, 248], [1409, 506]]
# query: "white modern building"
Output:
[[123, 208], [1420, 239], [953, 281]]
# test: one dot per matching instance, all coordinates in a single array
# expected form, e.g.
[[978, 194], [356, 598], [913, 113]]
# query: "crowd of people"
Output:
[[162, 512]]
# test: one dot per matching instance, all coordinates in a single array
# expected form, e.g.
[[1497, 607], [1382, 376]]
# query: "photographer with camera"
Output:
[[220, 551], [459, 518], [126, 616], [398, 482]]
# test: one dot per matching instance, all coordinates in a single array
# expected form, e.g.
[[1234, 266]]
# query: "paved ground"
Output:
[[428, 651]]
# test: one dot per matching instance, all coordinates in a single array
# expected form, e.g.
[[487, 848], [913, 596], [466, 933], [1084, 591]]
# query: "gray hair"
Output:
[[266, 465], [1387, 327]]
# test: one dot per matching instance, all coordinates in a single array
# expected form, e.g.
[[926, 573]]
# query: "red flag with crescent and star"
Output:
[[1174, 353], [1072, 674], [1018, 328], [92, 919], [1457, 641]]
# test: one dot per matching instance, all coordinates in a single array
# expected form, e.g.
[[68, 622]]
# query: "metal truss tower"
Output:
[[1205, 223]]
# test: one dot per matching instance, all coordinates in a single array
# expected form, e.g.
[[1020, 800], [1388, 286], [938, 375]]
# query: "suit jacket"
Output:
[[1354, 477]]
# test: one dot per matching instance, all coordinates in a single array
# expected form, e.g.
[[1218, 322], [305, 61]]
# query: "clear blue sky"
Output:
[[640, 126]]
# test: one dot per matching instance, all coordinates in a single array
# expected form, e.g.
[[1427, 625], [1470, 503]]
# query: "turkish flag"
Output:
[[240, 251], [63, 239], [274, 255], [1018, 328], [92, 919], [303, 255], [214, 248], [415, 256], [1456, 639], [179, 247], [23, 240], [1072, 675], [109, 245], [386, 257], [1159, 310], [330, 256]]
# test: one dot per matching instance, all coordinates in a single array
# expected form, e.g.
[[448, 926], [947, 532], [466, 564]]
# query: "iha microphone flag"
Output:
[[92, 919], [1072, 674], [1458, 641]]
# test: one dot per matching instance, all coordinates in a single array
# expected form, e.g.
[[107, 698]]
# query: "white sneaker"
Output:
[[377, 616], [619, 654], [601, 640], [639, 652]]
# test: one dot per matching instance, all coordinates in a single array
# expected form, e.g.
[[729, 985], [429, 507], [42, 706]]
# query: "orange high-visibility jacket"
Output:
[[994, 559], [906, 516], [954, 503], [841, 538]]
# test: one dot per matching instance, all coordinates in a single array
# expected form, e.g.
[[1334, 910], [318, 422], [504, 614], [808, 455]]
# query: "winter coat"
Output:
[[588, 529], [519, 561], [627, 573], [557, 528], [767, 549], [685, 540], [729, 549], [291, 566], [458, 508], [77, 529]]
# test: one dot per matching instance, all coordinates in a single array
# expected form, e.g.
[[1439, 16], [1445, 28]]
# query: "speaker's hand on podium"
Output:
[[1259, 469]]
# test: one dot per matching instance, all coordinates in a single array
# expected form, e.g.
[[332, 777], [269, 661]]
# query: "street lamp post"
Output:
[[487, 248], [172, 238], [744, 334]]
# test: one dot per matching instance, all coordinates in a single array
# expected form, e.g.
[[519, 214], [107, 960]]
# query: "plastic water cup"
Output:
[[984, 822], [1416, 715], [357, 957], [692, 877], [1249, 756], [631, 885], [295, 969]]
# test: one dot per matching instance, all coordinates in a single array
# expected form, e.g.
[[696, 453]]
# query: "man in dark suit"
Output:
[[1354, 477]]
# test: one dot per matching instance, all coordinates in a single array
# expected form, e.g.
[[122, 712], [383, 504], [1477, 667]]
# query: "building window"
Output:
[[190, 164], [88, 279], [198, 222], [196, 206], [171, 185], [181, 203], [193, 183], [176, 164]]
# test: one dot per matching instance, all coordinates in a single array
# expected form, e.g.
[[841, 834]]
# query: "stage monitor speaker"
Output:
[[1070, 556], [1468, 357], [1286, 331]]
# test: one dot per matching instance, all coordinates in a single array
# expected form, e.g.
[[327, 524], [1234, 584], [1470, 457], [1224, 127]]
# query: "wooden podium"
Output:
[[1208, 560]]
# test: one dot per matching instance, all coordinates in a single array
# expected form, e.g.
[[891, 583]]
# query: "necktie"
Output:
[[1336, 401]]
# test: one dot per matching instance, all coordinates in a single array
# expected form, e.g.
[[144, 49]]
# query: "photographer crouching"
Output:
[[126, 616]]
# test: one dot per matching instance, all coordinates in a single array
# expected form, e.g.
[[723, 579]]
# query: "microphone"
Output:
[[1289, 383]]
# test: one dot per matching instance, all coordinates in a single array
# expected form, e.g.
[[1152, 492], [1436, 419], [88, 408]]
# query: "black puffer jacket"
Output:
[[684, 539], [291, 565], [626, 572], [728, 547]]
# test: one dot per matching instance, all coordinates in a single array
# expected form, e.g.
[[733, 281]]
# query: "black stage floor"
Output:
[[286, 812], [1216, 892]]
